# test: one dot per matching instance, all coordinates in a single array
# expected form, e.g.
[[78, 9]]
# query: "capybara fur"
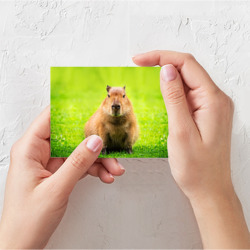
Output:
[[114, 121]]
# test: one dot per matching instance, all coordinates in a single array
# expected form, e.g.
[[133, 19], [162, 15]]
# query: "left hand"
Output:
[[38, 187]]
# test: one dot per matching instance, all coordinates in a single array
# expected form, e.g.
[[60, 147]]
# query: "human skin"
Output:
[[200, 125], [38, 187]]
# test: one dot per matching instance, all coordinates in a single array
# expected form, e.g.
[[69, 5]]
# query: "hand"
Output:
[[38, 187], [200, 126]]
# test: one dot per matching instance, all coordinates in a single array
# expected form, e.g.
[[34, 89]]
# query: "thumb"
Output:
[[173, 93], [77, 163]]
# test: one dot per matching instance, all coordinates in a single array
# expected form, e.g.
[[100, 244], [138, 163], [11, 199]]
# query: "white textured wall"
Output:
[[144, 208]]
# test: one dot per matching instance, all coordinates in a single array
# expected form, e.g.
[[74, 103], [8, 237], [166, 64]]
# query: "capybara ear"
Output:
[[108, 88], [124, 87]]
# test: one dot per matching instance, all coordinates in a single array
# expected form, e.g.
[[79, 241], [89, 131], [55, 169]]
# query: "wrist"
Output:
[[221, 221], [215, 198], [13, 238], [3, 239], [213, 195]]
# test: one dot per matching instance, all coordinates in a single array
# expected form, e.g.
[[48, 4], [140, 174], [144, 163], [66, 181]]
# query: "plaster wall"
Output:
[[144, 208]]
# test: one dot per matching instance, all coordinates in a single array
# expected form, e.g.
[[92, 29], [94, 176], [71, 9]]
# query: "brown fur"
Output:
[[114, 121]]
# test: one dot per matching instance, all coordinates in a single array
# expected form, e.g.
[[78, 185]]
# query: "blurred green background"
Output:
[[77, 92]]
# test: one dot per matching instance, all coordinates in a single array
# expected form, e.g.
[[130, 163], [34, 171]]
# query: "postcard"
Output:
[[122, 105]]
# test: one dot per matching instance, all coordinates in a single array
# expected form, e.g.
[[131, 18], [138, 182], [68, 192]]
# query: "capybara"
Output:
[[114, 121]]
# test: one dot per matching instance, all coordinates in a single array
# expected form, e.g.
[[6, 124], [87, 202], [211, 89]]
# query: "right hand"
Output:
[[200, 124]]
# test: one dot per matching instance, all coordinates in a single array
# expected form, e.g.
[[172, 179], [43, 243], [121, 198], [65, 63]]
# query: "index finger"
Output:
[[193, 74], [40, 127]]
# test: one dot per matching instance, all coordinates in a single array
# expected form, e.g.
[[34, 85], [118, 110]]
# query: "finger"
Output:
[[77, 164], [34, 144], [113, 166], [191, 71], [105, 176], [94, 169], [40, 127], [98, 170], [179, 117]]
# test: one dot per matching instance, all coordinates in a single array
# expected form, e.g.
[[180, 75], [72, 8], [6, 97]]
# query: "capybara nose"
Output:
[[116, 106]]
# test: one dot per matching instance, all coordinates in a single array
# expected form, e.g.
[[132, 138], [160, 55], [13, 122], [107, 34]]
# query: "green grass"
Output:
[[77, 92]]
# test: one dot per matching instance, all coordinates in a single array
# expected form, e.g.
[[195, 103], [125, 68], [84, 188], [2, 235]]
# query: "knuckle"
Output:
[[15, 148], [189, 57], [223, 100], [181, 132], [223, 103], [228, 107], [78, 160], [231, 104], [174, 94]]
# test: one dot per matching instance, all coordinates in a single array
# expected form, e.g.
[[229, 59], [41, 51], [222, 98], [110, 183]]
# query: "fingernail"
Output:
[[94, 143], [137, 55], [168, 73], [121, 167], [110, 175]]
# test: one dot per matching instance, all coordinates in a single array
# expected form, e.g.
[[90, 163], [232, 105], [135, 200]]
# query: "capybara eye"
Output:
[[108, 96], [123, 96]]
